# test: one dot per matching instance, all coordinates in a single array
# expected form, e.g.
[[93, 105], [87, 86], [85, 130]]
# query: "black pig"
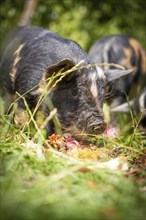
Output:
[[31, 56], [127, 52]]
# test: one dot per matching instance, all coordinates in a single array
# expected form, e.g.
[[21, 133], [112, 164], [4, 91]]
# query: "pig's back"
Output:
[[29, 51]]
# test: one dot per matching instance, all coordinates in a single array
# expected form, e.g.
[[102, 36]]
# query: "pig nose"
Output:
[[98, 126]]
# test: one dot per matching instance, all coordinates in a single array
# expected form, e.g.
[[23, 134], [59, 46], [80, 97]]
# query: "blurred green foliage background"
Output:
[[84, 21]]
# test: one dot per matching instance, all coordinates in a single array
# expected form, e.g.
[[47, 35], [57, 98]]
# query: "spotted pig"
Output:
[[31, 56], [127, 52]]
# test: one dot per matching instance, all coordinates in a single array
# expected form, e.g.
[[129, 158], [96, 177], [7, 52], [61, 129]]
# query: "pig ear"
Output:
[[62, 65], [114, 74]]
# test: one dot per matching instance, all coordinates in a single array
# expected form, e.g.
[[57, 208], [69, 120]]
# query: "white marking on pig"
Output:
[[16, 60], [94, 76], [93, 87], [100, 72]]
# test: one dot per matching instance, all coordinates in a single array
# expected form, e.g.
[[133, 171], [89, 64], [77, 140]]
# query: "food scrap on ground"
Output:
[[80, 150]]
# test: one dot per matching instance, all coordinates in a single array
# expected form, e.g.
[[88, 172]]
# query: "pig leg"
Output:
[[21, 115]]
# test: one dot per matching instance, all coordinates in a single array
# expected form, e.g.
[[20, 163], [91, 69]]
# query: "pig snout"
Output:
[[97, 125]]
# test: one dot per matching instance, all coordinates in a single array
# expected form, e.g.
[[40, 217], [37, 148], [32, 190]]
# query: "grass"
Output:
[[59, 186], [40, 182]]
